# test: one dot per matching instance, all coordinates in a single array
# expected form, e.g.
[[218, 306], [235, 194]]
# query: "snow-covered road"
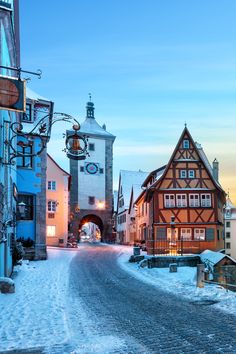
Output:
[[82, 301]]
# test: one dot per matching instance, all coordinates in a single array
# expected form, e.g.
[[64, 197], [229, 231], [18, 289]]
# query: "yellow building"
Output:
[[58, 187]]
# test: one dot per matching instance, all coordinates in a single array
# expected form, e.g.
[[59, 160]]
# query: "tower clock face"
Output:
[[91, 168]]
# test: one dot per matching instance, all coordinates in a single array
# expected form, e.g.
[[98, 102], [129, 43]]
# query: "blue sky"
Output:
[[150, 65]]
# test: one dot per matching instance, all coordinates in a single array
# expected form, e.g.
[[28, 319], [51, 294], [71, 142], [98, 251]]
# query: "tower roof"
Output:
[[91, 127]]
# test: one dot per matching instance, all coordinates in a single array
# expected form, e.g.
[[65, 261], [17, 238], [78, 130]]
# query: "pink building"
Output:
[[58, 187]]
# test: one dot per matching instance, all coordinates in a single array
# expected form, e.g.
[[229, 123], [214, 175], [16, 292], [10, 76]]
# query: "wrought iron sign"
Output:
[[21, 143], [12, 94]]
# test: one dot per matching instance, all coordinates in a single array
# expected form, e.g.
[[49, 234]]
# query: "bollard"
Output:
[[200, 275]]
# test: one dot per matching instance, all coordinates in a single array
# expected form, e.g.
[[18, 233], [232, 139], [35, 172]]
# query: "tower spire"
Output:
[[90, 108]]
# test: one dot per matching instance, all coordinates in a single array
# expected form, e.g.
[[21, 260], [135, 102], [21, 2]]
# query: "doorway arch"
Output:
[[94, 219]]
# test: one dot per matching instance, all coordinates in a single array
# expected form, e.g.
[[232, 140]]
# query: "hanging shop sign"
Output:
[[12, 94]]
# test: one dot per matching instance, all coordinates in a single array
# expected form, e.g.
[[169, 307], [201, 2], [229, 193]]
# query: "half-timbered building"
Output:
[[186, 203]]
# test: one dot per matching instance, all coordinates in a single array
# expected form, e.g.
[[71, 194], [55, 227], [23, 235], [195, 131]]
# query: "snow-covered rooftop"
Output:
[[129, 179], [91, 127], [34, 95], [213, 257]]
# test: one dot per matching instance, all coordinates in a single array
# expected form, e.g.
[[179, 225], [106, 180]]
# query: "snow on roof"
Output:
[[213, 257], [34, 96], [129, 179], [90, 126]]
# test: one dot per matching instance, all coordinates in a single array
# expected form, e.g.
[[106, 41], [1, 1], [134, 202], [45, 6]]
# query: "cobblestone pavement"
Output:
[[110, 312], [143, 318]]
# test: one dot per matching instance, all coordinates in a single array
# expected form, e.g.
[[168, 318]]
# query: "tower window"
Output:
[[91, 200], [91, 147], [186, 144], [101, 170], [81, 168]]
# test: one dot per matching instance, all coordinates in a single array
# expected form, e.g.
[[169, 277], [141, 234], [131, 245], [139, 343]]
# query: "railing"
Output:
[[172, 248]]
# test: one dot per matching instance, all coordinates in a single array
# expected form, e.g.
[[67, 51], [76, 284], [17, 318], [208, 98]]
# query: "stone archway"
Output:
[[92, 219]]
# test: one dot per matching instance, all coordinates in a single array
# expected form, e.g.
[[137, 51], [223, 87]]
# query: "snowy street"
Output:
[[84, 301]]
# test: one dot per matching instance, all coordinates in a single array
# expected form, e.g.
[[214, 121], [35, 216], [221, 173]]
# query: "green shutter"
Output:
[[210, 234], [161, 233]]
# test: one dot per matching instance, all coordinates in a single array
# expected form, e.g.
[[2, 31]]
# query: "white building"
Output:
[[129, 185], [92, 179], [230, 228]]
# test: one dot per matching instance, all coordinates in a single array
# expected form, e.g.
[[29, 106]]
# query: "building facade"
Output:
[[58, 186], [9, 57], [186, 203], [230, 228], [130, 183], [31, 177], [92, 179]]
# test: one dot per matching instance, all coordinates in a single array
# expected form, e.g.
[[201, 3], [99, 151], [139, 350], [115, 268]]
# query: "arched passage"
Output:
[[91, 228]]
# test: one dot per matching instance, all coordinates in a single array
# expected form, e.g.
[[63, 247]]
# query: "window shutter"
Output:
[[210, 234], [161, 233]]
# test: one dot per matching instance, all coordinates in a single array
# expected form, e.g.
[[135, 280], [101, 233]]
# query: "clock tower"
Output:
[[92, 179]]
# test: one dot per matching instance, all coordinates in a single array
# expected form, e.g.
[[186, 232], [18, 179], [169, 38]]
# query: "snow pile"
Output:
[[182, 283], [35, 314]]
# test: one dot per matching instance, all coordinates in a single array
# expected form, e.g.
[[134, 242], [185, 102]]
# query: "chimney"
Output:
[[215, 167]]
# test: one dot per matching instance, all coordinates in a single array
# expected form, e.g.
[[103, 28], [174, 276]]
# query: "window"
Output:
[[183, 173], [191, 174], [194, 200], [227, 245], [205, 200], [52, 205], [227, 223], [81, 168], [169, 200], [186, 234], [91, 147], [51, 230], [25, 161], [27, 116], [227, 234], [199, 234], [186, 144], [52, 185], [51, 215], [91, 200], [181, 200], [101, 170], [29, 208]]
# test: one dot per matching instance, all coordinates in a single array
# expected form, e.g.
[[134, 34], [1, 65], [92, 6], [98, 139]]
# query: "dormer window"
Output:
[[186, 144]]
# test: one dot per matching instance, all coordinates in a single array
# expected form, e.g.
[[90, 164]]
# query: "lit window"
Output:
[[181, 200], [186, 234], [199, 234], [52, 205], [169, 200], [194, 200], [183, 173], [186, 144], [205, 200], [51, 230], [52, 185], [191, 174]]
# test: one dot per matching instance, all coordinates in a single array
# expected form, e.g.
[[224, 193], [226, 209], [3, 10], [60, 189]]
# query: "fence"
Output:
[[172, 248]]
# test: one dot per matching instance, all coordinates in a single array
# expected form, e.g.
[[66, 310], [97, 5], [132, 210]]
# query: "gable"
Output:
[[188, 167]]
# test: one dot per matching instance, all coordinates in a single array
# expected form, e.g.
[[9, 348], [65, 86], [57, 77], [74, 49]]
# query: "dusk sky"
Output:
[[150, 66]]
